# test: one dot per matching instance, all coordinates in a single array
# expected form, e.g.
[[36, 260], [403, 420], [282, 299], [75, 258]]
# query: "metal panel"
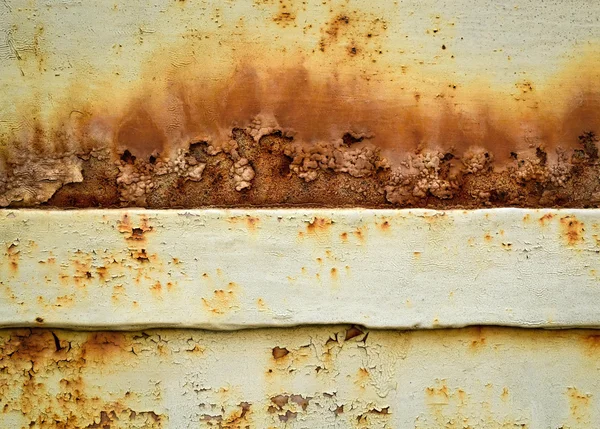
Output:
[[440, 104], [227, 269], [312, 377]]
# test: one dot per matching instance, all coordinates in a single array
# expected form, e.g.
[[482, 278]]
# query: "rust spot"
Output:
[[318, 225], [39, 320], [13, 257], [140, 255], [157, 288], [344, 237], [487, 237], [572, 230], [252, 223], [417, 255], [334, 273], [279, 353], [359, 233], [102, 345], [384, 226], [546, 219]]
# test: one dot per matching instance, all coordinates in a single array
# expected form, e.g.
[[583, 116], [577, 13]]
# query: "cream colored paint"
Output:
[[486, 378], [229, 269]]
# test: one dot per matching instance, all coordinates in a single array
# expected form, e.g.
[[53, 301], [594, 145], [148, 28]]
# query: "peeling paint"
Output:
[[326, 377]]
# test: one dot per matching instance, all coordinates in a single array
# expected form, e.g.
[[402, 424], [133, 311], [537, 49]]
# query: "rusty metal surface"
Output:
[[228, 269], [194, 103], [312, 377]]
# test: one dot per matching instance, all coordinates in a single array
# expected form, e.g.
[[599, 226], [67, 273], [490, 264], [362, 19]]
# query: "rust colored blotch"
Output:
[[252, 223], [344, 237], [13, 257], [384, 226], [546, 218], [318, 225], [572, 230], [139, 134], [487, 237], [103, 344], [358, 233], [334, 273], [279, 352], [352, 333], [157, 287]]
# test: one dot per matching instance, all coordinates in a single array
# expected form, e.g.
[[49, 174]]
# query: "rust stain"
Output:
[[384, 226], [318, 225], [544, 220], [344, 237], [13, 255], [572, 230], [487, 237], [360, 234]]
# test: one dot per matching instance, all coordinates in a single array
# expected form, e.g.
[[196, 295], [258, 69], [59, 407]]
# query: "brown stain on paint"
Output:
[[341, 89], [572, 230]]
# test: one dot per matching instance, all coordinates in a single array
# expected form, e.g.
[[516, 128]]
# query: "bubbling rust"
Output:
[[328, 122]]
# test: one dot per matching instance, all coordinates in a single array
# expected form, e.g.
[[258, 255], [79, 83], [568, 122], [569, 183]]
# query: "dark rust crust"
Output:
[[280, 174]]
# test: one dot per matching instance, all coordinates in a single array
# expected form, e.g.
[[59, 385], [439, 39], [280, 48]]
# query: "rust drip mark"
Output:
[[592, 345], [504, 395], [360, 234], [384, 226], [353, 332], [13, 255], [572, 230], [134, 233], [157, 288], [579, 407], [438, 395], [334, 274], [140, 255], [103, 345], [286, 15], [546, 219], [252, 223], [318, 225], [279, 353]]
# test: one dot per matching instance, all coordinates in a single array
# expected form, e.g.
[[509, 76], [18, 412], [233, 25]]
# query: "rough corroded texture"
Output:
[[331, 376], [226, 269], [196, 103]]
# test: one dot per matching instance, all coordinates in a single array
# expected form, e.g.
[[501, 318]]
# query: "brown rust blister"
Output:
[[329, 115]]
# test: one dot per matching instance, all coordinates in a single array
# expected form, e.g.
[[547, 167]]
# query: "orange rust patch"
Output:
[[572, 230], [384, 226], [252, 223], [318, 225], [157, 288], [487, 237], [344, 237], [417, 255], [102, 345], [12, 254], [546, 219], [222, 301], [359, 233], [334, 273]]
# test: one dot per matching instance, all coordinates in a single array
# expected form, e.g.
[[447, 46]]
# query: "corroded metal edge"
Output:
[[231, 269]]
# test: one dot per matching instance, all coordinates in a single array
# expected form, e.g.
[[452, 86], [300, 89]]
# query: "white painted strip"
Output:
[[229, 269]]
